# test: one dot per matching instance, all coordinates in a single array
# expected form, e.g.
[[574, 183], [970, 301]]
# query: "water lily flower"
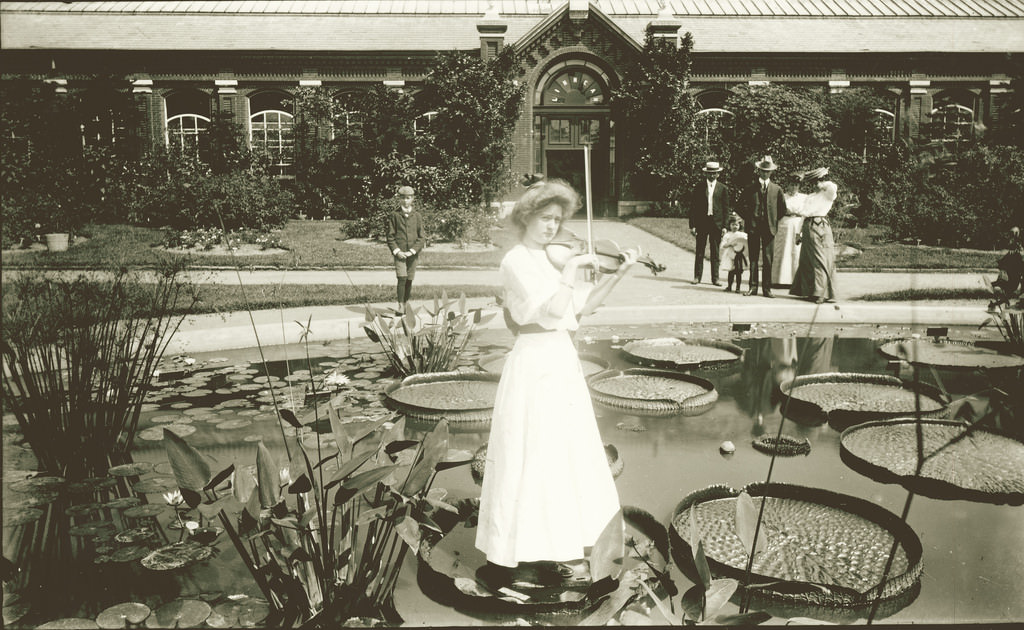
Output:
[[189, 361], [336, 379], [191, 526], [174, 498]]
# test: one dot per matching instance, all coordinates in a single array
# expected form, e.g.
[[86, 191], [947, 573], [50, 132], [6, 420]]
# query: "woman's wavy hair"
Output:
[[539, 196]]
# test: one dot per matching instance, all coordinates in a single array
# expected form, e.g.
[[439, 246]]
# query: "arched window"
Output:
[[188, 117], [270, 128], [421, 123], [574, 87], [715, 125], [952, 120], [348, 117], [882, 132]]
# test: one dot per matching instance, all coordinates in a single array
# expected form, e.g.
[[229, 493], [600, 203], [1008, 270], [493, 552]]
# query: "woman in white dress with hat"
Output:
[[815, 274], [787, 238]]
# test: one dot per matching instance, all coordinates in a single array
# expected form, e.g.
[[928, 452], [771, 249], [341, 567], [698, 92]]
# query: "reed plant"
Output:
[[78, 355], [427, 340]]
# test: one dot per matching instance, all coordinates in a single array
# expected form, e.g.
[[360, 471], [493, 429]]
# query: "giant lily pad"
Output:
[[820, 547], [68, 623], [123, 615], [674, 353], [845, 398], [176, 556], [122, 503], [961, 462], [145, 510], [653, 392], [455, 396], [155, 485], [950, 354], [39, 484]]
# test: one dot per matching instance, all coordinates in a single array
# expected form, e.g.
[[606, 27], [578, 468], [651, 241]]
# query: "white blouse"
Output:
[[530, 281], [818, 204]]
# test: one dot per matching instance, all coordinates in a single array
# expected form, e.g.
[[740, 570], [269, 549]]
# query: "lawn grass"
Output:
[[226, 298], [917, 295], [876, 254], [310, 245]]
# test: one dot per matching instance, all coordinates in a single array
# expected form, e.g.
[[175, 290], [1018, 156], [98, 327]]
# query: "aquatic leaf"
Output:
[[744, 619], [432, 450], [371, 334], [666, 611], [210, 510], [242, 485], [191, 497], [191, 469], [746, 524], [409, 530], [609, 549], [300, 485], [611, 605], [697, 544], [693, 603], [219, 477], [368, 516], [349, 467], [718, 595], [360, 482], [399, 445], [268, 477], [289, 416]]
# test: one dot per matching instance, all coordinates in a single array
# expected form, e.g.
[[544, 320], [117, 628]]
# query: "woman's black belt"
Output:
[[819, 220]]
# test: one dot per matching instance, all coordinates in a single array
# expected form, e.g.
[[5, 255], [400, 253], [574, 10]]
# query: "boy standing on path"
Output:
[[405, 240]]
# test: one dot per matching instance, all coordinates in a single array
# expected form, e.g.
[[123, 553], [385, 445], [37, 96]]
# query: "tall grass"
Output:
[[78, 354]]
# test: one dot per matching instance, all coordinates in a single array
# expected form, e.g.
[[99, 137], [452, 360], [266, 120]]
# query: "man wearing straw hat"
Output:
[[709, 216], [760, 211]]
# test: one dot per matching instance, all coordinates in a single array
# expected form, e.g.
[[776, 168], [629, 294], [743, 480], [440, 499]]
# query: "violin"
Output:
[[610, 256]]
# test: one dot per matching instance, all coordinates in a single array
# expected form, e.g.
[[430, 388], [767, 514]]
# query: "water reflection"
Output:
[[973, 553]]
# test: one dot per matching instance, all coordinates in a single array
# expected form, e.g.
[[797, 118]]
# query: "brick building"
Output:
[[943, 66]]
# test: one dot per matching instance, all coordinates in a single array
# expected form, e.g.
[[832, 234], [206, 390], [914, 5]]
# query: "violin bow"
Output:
[[590, 208]]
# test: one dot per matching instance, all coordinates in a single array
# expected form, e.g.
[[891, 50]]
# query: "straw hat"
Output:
[[712, 167], [406, 190], [815, 173], [766, 164]]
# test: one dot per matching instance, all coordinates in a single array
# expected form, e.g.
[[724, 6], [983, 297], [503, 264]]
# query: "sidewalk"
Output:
[[641, 298]]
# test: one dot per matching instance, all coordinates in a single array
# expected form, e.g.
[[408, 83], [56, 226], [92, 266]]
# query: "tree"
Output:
[[788, 124], [477, 103], [655, 114]]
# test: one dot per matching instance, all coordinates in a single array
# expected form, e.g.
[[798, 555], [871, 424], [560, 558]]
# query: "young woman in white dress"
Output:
[[787, 239], [547, 489]]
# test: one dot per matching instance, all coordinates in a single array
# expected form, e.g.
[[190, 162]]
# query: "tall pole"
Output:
[[590, 275]]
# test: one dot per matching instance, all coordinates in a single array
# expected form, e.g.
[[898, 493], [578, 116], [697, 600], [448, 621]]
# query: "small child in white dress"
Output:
[[733, 252]]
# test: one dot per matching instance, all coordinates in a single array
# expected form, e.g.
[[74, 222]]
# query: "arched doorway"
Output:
[[570, 112]]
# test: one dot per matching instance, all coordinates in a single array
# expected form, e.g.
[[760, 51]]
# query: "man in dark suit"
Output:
[[760, 208], [709, 216]]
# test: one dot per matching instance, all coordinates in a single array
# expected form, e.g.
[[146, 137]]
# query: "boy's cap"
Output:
[[406, 190]]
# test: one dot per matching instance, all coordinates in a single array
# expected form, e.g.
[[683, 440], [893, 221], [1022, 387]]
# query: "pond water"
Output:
[[973, 552]]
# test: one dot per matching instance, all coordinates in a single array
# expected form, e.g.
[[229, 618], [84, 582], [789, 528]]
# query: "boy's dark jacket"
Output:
[[405, 234]]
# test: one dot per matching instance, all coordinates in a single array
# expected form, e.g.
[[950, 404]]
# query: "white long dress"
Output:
[[787, 251], [547, 490]]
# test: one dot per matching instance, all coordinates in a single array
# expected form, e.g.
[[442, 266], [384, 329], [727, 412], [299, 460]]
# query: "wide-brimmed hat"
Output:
[[406, 190], [712, 167], [766, 164], [815, 173]]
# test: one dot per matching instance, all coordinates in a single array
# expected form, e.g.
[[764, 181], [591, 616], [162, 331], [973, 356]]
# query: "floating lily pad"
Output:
[[674, 353], [68, 623], [122, 615], [129, 554], [151, 434], [237, 423], [122, 503], [146, 510], [135, 535], [846, 398], [91, 484], [181, 613], [85, 508], [784, 445], [456, 396], [181, 405], [21, 516], [91, 529], [197, 393], [163, 468], [653, 392], [134, 469], [950, 354], [960, 462], [37, 484], [247, 612], [819, 546], [166, 419], [155, 485], [176, 556]]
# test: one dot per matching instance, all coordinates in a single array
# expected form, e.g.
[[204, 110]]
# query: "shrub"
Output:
[[235, 200]]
